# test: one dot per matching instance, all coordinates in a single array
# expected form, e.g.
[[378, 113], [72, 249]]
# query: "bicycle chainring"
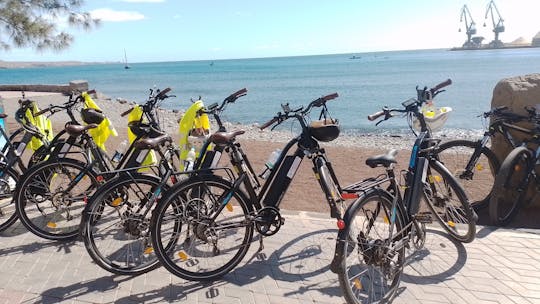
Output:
[[268, 221]]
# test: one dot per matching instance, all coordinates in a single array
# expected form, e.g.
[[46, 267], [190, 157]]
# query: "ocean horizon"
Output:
[[365, 84]]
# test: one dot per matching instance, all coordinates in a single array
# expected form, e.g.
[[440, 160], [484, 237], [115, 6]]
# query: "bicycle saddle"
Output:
[[384, 160], [151, 143], [76, 130], [223, 138]]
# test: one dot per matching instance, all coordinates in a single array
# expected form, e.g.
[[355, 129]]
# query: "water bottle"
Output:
[[190, 159], [270, 162], [119, 153]]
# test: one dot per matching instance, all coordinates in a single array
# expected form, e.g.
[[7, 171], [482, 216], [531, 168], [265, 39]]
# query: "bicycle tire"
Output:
[[8, 216], [365, 271], [115, 234], [506, 198], [36, 189], [188, 213], [478, 184], [449, 204]]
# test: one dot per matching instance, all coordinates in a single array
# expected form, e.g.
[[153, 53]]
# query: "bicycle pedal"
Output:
[[424, 218]]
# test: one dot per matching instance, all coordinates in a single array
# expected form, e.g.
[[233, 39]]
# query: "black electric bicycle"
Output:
[[517, 179], [115, 222], [473, 163], [203, 227], [51, 195], [382, 222]]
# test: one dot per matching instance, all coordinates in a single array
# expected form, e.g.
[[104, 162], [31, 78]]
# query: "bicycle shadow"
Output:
[[32, 247], [14, 230], [440, 259], [303, 262]]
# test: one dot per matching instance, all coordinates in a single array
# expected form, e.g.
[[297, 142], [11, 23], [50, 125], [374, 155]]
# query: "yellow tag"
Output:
[[451, 224], [357, 283], [479, 167], [51, 224], [229, 207], [148, 250], [183, 256], [317, 176], [434, 179], [117, 201], [386, 221]]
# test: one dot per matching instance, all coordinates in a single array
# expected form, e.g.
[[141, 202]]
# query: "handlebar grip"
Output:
[[127, 112], [41, 112], [269, 123], [330, 97], [91, 92], [441, 85], [376, 115], [239, 93], [163, 93]]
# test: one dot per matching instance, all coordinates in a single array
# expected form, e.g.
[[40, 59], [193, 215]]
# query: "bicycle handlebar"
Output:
[[163, 94], [127, 112], [269, 123], [282, 117], [375, 115], [236, 95], [441, 85]]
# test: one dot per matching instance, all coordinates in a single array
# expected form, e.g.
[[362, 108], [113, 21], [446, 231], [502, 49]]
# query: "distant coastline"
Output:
[[43, 64]]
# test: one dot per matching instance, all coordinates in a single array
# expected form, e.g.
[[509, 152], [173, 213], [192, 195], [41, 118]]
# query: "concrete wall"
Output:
[[75, 85]]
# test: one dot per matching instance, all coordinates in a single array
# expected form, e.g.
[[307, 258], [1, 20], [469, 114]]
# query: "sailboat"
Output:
[[126, 66]]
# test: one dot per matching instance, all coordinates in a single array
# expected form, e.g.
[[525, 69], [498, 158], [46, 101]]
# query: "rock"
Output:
[[516, 93], [121, 100]]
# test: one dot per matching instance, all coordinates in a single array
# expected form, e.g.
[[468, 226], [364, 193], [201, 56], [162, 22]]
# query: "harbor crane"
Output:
[[498, 27], [470, 27]]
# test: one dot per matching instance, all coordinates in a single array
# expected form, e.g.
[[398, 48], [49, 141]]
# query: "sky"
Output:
[[178, 30]]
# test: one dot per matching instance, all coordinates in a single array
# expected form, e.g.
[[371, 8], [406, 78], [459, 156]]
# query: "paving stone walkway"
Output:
[[500, 266]]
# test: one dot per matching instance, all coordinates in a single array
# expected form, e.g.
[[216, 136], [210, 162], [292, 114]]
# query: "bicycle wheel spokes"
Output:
[[373, 263], [195, 246], [446, 205], [476, 182], [53, 199], [7, 208]]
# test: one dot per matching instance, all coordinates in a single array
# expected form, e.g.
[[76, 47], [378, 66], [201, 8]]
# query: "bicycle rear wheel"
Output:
[[372, 259], [204, 248], [507, 196], [478, 182], [115, 225], [51, 196], [449, 204], [8, 181]]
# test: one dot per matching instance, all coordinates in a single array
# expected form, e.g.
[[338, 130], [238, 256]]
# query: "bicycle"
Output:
[[516, 176], [473, 163], [203, 226], [11, 161], [51, 195], [115, 222], [382, 221]]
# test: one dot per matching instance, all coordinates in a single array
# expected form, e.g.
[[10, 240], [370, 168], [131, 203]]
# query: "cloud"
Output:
[[143, 1], [107, 14]]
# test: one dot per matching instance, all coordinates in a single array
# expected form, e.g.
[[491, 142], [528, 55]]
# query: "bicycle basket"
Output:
[[92, 116], [324, 129], [435, 118]]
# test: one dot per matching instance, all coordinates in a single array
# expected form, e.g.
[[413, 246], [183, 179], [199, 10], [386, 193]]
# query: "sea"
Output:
[[365, 82]]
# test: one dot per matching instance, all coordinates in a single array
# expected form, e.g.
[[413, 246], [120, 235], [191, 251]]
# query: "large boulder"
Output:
[[516, 93]]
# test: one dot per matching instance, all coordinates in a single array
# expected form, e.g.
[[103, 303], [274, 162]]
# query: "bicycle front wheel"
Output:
[[478, 181], [449, 204], [509, 190], [51, 196], [372, 248], [192, 239], [115, 225], [8, 181]]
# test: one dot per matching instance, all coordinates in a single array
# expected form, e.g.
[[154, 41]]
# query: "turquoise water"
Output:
[[364, 85]]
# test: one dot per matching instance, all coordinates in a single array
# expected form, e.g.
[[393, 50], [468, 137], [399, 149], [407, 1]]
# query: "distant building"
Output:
[[536, 40]]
